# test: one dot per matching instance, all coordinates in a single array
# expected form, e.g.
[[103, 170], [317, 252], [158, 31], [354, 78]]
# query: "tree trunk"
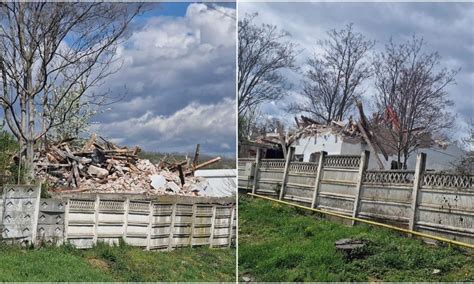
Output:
[[29, 162]]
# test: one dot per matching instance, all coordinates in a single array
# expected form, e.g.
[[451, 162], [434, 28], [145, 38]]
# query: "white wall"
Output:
[[330, 143], [438, 158], [221, 183]]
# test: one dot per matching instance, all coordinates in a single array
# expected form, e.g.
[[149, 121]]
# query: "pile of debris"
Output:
[[102, 166]]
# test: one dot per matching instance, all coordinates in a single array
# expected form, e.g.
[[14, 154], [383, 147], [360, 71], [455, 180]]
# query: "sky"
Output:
[[176, 81], [447, 28]]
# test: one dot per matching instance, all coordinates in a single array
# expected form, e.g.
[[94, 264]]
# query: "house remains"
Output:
[[352, 138], [103, 167]]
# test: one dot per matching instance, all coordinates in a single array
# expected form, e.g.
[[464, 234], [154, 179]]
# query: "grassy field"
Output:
[[282, 243], [118, 264]]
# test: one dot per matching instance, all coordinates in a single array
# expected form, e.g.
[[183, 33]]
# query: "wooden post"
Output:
[[96, 218], [285, 172], [213, 225], [319, 174], [181, 175], [420, 168], [150, 226], [196, 156], [170, 239], [255, 171], [125, 219], [364, 162]]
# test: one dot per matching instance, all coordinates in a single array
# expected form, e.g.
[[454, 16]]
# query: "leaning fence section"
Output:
[[83, 220], [431, 202]]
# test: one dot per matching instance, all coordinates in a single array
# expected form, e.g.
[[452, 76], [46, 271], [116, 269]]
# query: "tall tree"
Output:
[[411, 93], [51, 46], [335, 74], [264, 52]]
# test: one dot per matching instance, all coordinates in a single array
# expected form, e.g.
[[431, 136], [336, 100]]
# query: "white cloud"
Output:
[[211, 124], [179, 77]]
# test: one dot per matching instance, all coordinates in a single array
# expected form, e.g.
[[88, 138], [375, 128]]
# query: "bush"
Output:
[[8, 147]]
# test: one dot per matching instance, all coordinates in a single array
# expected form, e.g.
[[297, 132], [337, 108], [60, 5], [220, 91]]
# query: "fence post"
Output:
[[213, 225], [193, 223], [34, 227], [96, 218], [420, 168], [255, 172], [364, 162], [66, 220], [322, 156], [231, 225], [150, 226], [125, 219], [291, 150], [171, 236]]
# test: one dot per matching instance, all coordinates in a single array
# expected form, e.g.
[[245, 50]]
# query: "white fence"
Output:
[[435, 203], [163, 222]]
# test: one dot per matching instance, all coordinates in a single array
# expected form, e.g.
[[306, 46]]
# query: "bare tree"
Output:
[[334, 76], [50, 46], [411, 94], [263, 53]]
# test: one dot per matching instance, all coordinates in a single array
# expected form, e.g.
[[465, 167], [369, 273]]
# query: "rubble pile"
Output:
[[105, 167]]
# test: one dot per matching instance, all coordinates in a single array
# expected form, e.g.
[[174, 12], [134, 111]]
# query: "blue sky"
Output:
[[178, 81]]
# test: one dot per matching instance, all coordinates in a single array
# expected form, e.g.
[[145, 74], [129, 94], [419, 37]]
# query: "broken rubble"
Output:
[[106, 167], [173, 186], [158, 181], [98, 172]]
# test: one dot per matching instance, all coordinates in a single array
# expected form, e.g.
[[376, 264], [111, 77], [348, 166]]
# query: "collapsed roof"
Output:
[[376, 133]]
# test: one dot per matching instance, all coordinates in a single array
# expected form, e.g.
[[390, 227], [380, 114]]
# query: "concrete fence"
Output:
[[436, 203], [163, 222]]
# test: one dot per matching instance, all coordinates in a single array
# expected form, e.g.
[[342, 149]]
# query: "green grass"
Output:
[[119, 264], [281, 243]]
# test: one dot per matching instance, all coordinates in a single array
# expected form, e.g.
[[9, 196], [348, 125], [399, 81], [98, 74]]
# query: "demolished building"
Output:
[[100, 166], [354, 137]]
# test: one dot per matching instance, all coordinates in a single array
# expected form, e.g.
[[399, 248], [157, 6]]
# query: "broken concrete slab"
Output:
[[98, 172], [158, 181], [173, 186]]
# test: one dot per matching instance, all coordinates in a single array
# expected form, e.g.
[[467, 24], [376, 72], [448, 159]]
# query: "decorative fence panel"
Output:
[[51, 221], [387, 195], [445, 206], [434, 203], [163, 222], [270, 176], [20, 217], [300, 181]]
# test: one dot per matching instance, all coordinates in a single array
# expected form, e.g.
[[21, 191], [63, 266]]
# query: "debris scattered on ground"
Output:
[[102, 166], [436, 271], [351, 248]]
